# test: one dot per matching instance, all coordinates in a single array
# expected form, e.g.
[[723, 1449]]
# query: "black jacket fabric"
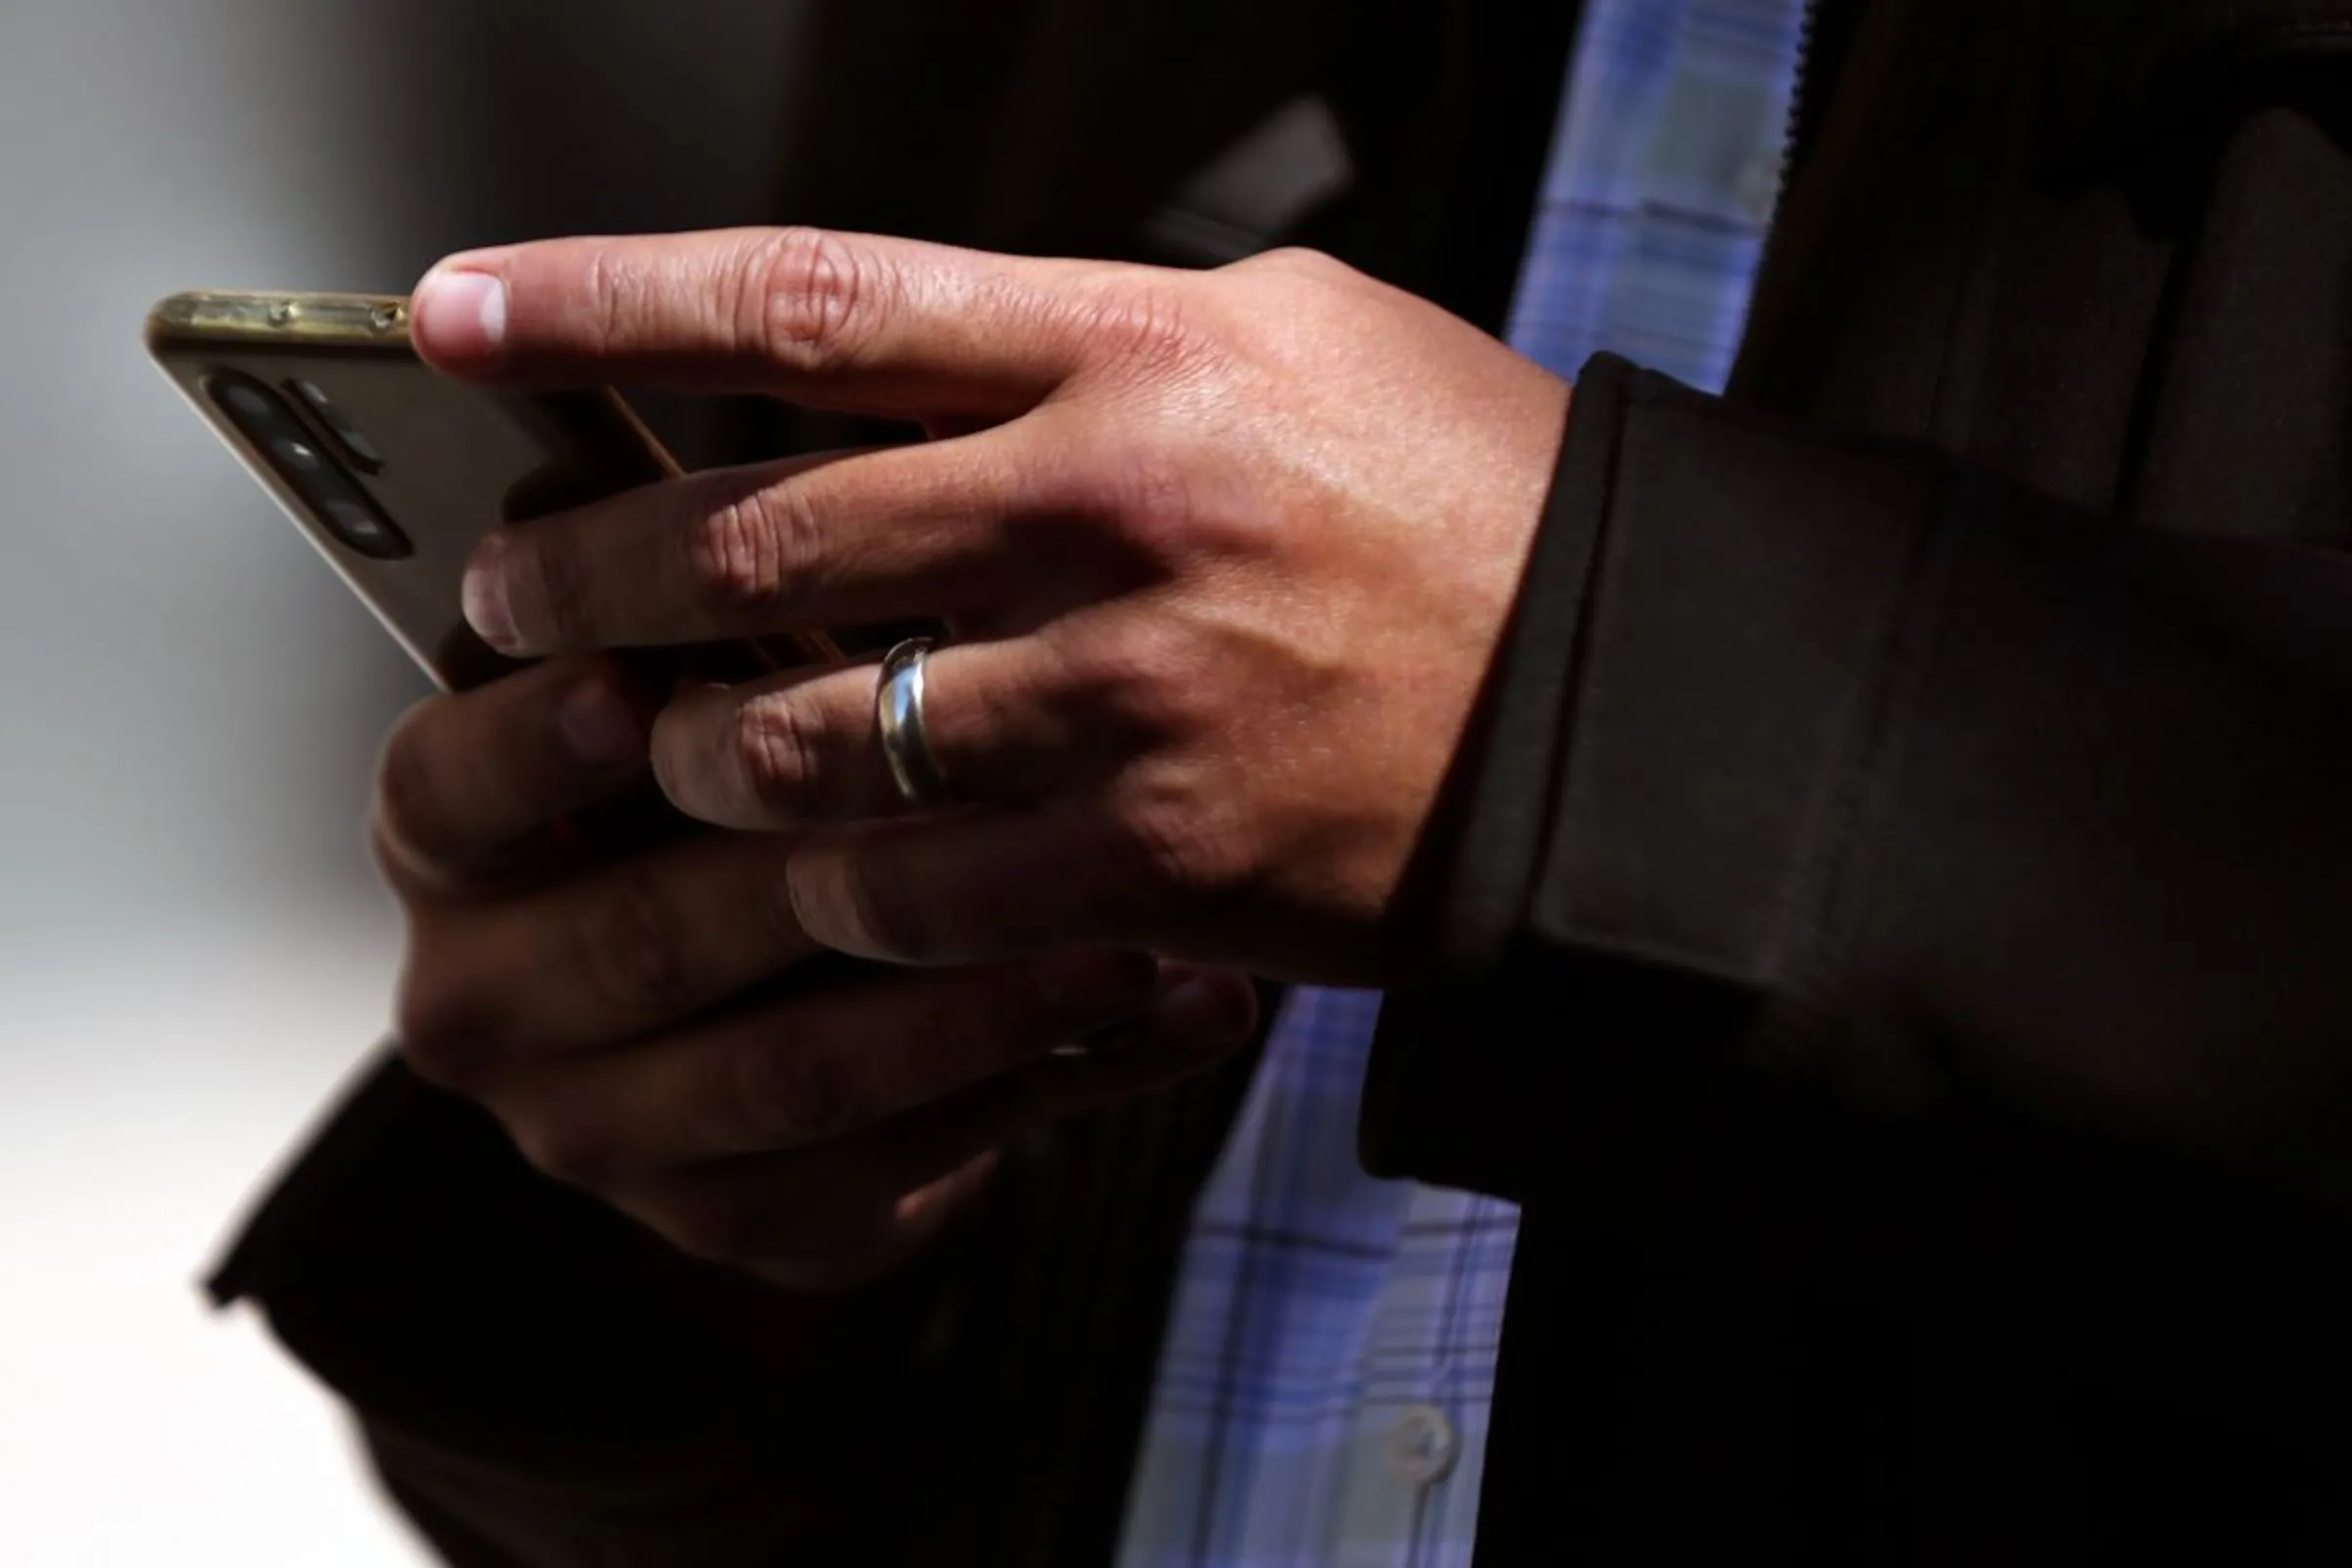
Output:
[[1895, 935], [1913, 802]]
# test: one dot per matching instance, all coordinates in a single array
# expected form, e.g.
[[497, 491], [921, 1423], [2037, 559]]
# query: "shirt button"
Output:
[[1422, 1444]]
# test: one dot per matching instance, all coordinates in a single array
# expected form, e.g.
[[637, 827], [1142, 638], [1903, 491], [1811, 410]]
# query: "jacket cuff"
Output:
[[1677, 736]]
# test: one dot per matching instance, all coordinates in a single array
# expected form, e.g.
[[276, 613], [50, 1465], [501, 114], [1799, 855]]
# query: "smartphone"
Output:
[[395, 473]]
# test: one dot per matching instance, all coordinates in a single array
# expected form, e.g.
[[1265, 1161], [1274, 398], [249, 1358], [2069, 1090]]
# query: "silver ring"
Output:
[[898, 716]]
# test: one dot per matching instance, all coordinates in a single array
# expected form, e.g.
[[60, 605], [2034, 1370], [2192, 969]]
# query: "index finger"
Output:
[[853, 322]]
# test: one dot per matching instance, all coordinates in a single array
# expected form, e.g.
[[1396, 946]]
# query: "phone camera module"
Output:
[[331, 496]]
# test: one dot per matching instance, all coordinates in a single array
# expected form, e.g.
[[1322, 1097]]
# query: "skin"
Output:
[[609, 1007], [1228, 556]]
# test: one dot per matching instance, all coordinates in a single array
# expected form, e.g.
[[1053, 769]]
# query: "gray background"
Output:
[[192, 952]]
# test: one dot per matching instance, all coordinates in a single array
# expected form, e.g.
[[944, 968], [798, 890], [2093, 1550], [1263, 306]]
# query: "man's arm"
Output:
[[1865, 861]]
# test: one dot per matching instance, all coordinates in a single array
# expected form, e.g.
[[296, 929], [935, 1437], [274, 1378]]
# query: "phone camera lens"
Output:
[[357, 525], [299, 456], [356, 521], [244, 400]]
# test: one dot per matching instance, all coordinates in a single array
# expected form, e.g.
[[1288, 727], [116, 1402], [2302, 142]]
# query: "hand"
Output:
[[609, 1011], [1228, 556]]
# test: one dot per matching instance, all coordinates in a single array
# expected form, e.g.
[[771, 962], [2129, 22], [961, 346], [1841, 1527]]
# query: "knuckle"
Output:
[[615, 300], [743, 549], [1298, 261], [806, 297], [1144, 324], [1181, 847], [628, 952], [1143, 488], [779, 750], [793, 1093], [1144, 681]]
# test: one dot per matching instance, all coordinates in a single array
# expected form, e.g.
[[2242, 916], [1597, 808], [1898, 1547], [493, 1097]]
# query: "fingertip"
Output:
[[457, 314], [483, 597], [682, 740]]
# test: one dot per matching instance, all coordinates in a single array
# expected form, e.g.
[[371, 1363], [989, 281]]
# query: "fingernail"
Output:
[[1088, 985], [599, 726], [484, 597], [1206, 1010], [459, 315]]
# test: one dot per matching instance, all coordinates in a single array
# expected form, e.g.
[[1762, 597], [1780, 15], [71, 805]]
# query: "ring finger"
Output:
[[1000, 723]]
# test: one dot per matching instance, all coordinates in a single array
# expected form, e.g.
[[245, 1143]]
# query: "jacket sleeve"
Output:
[[1867, 868], [537, 1380]]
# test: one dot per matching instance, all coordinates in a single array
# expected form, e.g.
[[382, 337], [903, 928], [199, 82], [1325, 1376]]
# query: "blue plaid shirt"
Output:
[[1324, 1388]]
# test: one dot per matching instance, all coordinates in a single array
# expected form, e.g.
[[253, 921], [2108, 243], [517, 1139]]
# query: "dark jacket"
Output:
[[1896, 932]]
